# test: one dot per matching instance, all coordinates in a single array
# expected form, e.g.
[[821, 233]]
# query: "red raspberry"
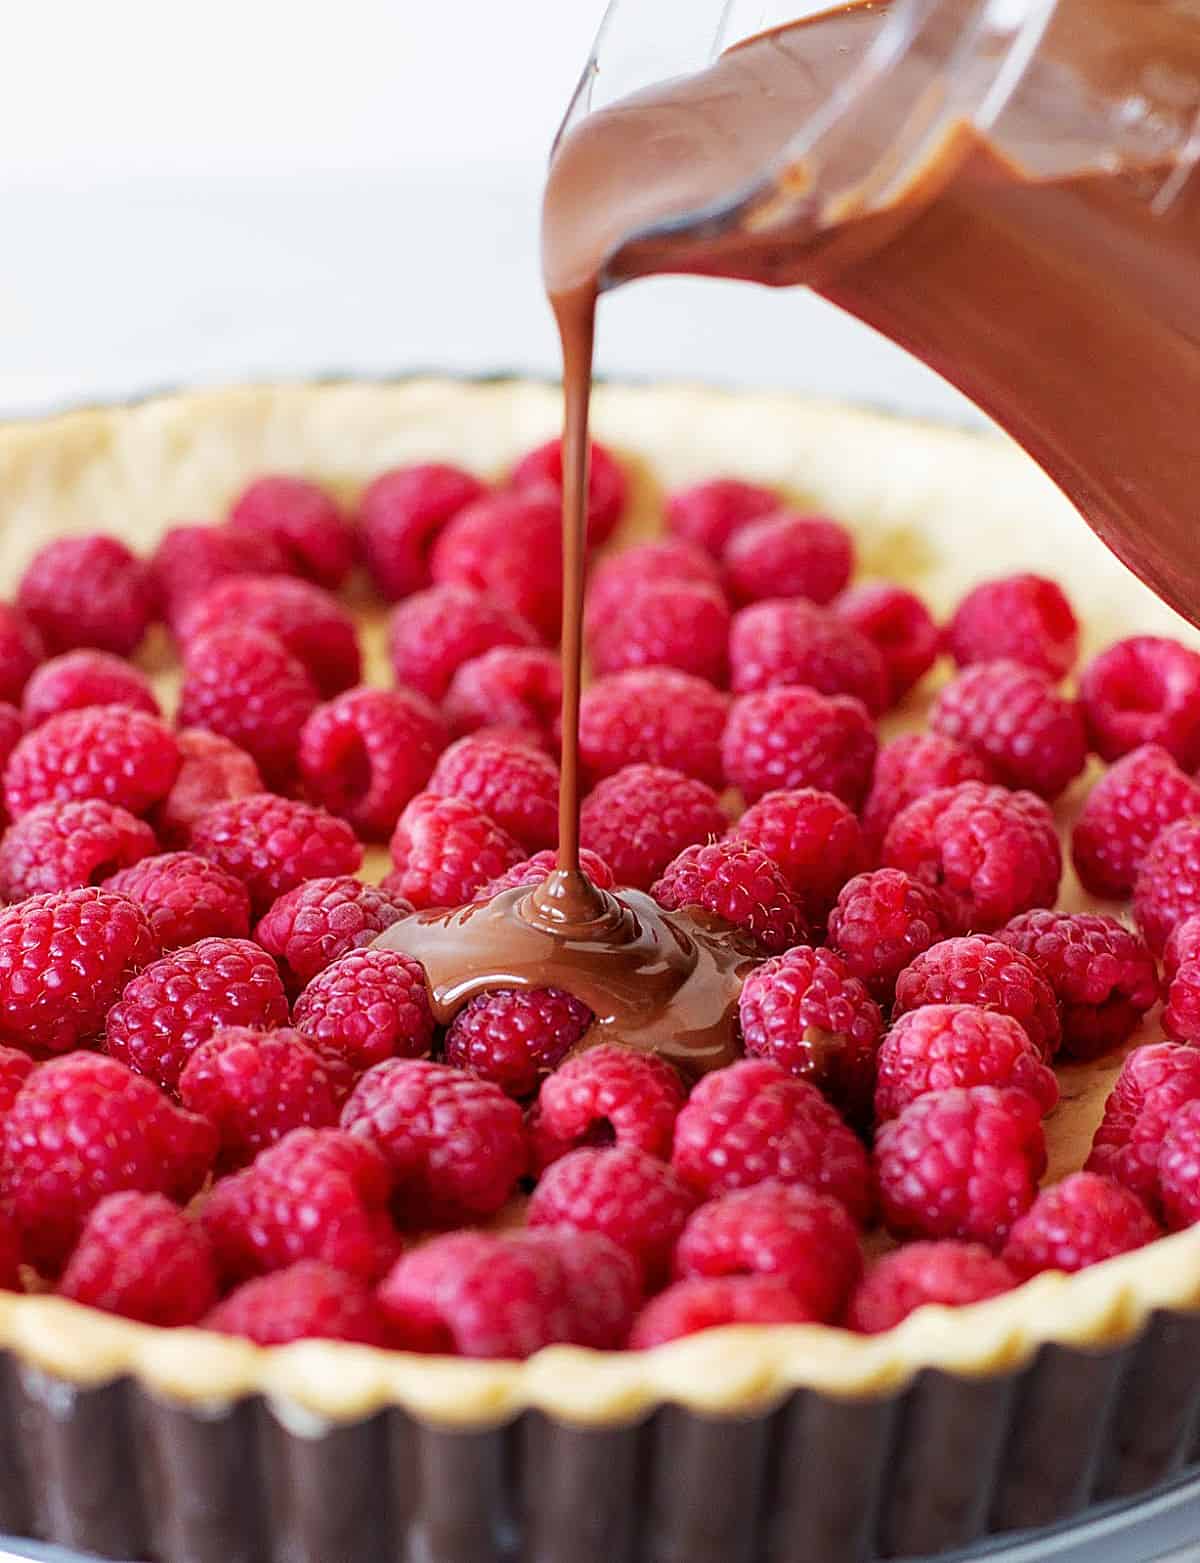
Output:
[[643, 816], [738, 882], [446, 849], [190, 559], [514, 785], [1179, 1168], [310, 1301], [12, 730], [1167, 888], [85, 678], [1030, 734], [534, 870], [1145, 690], [365, 754], [948, 1274], [126, 757], [789, 555], [368, 1006], [899, 626], [83, 1127], [754, 1121], [60, 845], [21, 650], [603, 1283], [165, 1013], [992, 853], [1079, 1222], [303, 522], [315, 924], [1124, 814], [1154, 1084], [455, 1144], [787, 738], [508, 546], [910, 766], [317, 1194], [778, 1229], [15, 1068], [653, 716], [982, 971], [213, 770], [399, 516], [691, 1306], [711, 513], [940, 1046], [514, 1036], [1181, 974], [432, 634], [790, 641], [664, 559], [805, 1011], [882, 922], [1024, 618], [815, 839], [63, 960], [1103, 975], [10, 1253], [186, 898], [960, 1163], [675, 624], [274, 844], [607, 486], [140, 1257], [88, 591], [516, 687], [606, 1095]]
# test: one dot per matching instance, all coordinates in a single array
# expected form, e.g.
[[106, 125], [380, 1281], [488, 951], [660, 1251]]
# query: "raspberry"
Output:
[[21, 650], [815, 839], [186, 898], [789, 555], [446, 849], [711, 513], [691, 1306], [940, 1046], [1030, 734], [60, 845], [140, 1257], [191, 559], [431, 635], [244, 685], [607, 487], [738, 882], [1179, 1168], [1124, 814], [603, 1283], [274, 844], [675, 624], [805, 1011], [982, 971], [88, 591], [12, 730], [778, 1229], [788, 738], [513, 785], [517, 687], [754, 1121], [10, 1253], [899, 626], [213, 770], [63, 960], [1181, 972], [606, 1095], [533, 871], [960, 1163], [948, 1274], [303, 522], [126, 757], [508, 546], [178, 1002], [1023, 618], [1167, 888], [310, 1301], [85, 678], [653, 716], [315, 924], [991, 853], [643, 816], [664, 559], [399, 516], [1154, 1084], [366, 753], [1079, 1222], [514, 1036], [318, 1194], [1103, 975], [15, 1068], [882, 922], [368, 1006], [455, 1144], [792, 642], [83, 1127], [1145, 690], [910, 766]]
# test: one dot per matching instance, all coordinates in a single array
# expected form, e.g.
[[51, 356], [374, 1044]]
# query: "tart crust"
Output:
[[934, 507]]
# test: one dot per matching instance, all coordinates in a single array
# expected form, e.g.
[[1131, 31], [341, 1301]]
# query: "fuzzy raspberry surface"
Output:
[[400, 514], [815, 839], [607, 1094], [1079, 1222], [515, 688], [792, 737], [607, 488], [643, 816], [126, 757], [789, 554], [308, 1301], [446, 849], [367, 1006], [790, 641], [881, 922], [664, 623], [1178, 1171], [88, 591], [984, 971], [711, 513], [653, 716], [508, 546], [273, 844], [186, 898], [664, 559], [515, 785], [1030, 734], [940, 1046], [899, 626], [139, 1256], [1124, 814], [948, 1273], [191, 559], [318, 922], [212, 770], [85, 678], [21, 649], [433, 633], [304, 523], [58, 846], [691, 1306], [515, 1036], [1154, 1084], [1024, 618], [740, 883], [1167, 888], [910, 766], [1181, 979], [1144, 690]]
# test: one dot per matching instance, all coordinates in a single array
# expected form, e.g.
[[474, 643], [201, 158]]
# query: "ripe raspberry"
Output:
[[790, 642], [607, 486], [399, 516], [882, 922], [738, 882], [789, 555], [533, 871], [514, 785], [85, 678], [431, 635], [515, 687], [1103, 975], [664, 559], [83, 1127], [274, 844], [1167, 888], [643, 816], [1124, 814], [303, 522], [126, 757], [1154, 1084], [788, 738], [445, 850], [165, 1013], [606, 1095], [60, 845], [455, 1144], [675, 624], [186, 898], [603, 1283], [88, 591], [1181, 975], [653, 716], [514, 1036], [754, 1121], [310, 1301], [213, 770], [366, 753], [711, 513], [778, 1229], [1144, 690], [815, 839], [960, 1163], [367, 1006], [315, 924], [982, 971], [1079, 1222], [691, 1306], [948, 1274], [991, 853], [140, 1257], [508, 546], [21, 650], [899, 626], [63, 960], [940, 1046], [12, 730], [191, 559], [1030, 734], [1178, 1184], [1024, 618], [15, 1068], [910, 766]]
